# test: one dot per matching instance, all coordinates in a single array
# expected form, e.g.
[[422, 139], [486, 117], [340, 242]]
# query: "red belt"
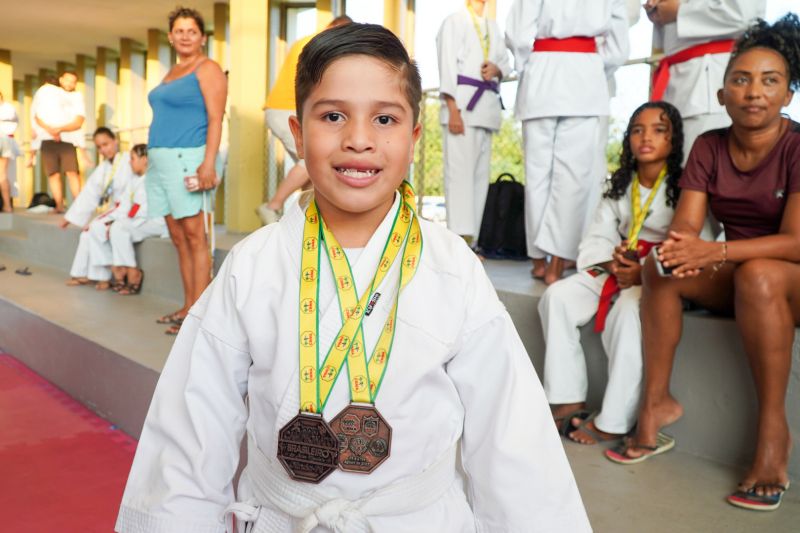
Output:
[[661, 75], [611, 287], [585, 45]]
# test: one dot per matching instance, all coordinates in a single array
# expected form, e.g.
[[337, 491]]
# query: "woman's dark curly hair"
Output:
[[181, 12], [782, 37], [623, 176]]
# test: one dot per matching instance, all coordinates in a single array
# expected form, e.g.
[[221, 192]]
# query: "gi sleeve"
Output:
[[602, 235], [717, 18], [88, 199], [181, 479], [521, 30], [517, 472], [500, 52], [447, 45], [614, 48]]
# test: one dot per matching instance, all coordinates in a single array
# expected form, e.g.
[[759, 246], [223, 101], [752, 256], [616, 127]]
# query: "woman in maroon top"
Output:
[[749, 175]]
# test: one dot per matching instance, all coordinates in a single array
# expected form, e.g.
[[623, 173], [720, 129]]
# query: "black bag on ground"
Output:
[[42, 198], [502, 234]]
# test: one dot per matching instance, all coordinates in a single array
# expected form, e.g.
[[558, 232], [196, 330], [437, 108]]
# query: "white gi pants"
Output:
[[466, 177], [124, 233], [93, 256], [560, 163], [571, 303], [694, 126]]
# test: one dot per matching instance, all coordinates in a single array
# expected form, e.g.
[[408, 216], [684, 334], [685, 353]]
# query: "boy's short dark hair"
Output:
[[102, 130], [181, 12], [355, 39], [71, 72]]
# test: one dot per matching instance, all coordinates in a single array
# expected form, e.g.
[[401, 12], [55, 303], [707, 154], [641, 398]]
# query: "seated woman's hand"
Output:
[[687, 253], [207, 176]]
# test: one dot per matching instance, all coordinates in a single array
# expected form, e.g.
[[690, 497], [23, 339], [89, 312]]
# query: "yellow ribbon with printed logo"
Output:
[[638, 212], [317, 380], [483, 37]]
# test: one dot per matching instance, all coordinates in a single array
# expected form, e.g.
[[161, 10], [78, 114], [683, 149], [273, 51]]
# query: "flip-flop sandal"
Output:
[[23, 271], [749, 499], [2, 267], [619, 454], [175, 328], [564, 424], [132, 289], [583, 427], [169, 319]]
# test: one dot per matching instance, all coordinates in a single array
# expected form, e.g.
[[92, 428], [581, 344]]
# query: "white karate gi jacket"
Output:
[[561, 84], [693, 84], [458, 371], [136, 193], [85, 205], [460, 51]]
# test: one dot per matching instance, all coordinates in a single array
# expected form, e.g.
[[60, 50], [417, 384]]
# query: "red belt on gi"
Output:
[[611, 287], [585, 45], [661, 75]]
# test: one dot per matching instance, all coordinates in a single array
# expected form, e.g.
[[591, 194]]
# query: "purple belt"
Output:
[[481, 86]]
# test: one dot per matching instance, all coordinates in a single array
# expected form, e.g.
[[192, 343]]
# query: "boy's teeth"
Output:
[[353, 173]]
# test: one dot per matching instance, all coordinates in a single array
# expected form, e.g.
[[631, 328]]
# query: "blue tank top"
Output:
[[180, 119]]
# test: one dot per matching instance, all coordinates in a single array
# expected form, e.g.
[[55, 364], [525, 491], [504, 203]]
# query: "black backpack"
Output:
[[42, 198], [502, 234]]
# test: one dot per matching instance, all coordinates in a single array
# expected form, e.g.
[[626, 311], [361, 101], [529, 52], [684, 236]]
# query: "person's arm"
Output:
[[521, 30], [447, 56], [615, 46], [518, 476], [597, 245], [75, 124], [214, 87], [52, 130], [716, 18]]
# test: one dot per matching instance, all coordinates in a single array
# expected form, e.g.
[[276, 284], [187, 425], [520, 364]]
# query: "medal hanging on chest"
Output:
[[361, 435], [640, 212]]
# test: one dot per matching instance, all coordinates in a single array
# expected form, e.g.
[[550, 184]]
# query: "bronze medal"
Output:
[[631, 255], [307, 448], [364, 438]]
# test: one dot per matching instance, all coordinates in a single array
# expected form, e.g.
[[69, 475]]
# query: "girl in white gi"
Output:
[[562, 93], [458, 375], [697, 37], [132, 225], [103, 191], [633, 215], [472, 61]]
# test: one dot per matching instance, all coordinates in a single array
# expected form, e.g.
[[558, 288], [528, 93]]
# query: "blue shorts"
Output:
[[166, 191]]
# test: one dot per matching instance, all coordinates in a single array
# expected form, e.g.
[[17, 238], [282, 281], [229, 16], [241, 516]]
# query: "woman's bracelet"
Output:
[[719, 265]]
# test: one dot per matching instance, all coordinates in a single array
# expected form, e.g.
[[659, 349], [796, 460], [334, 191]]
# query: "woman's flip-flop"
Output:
[[170, 319], [750, 499], [619, 454]]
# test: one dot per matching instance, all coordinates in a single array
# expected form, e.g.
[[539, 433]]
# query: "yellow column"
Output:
[[324, 13], [31, 84], [6, 75], [220, 47], [24, 185], [130, 91], [391, 16], [158, 63], [84, 66], [105, 88], [248, 60], [491, 9], [409, 26]]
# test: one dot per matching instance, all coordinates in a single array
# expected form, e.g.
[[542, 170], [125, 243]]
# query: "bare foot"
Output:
[[584, 437], [556, 269], [539, 267], [651, 419], [562, 412], [769, 468], [75, 282], [102, 285]]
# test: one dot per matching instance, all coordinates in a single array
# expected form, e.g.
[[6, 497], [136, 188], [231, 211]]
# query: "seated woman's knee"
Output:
[[758, 279]]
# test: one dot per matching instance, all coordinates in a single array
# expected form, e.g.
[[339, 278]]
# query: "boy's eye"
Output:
[[385, 120], [333, 117]]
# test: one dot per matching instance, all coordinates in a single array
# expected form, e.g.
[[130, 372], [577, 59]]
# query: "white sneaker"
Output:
[[267, 215]]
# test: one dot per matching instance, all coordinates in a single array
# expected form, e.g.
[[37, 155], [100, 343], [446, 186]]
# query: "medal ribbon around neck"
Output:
[[639, 212], [316, 381], [105, 195], [482, 37]]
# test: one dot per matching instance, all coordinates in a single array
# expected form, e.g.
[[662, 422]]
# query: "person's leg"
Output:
[[458, 161], [564, 307], [80, 264], [199, 256], [481, 176], [295, 179], [767, 311], [181, 244], [99, 254], [69, 164], [662, 324], [74, 181], [57, 189], [5, 189], [538, 136]]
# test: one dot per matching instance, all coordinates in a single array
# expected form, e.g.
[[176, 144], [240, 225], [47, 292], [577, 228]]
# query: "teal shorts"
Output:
[[166, 191]]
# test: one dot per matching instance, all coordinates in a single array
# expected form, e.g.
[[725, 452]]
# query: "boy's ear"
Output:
[[297, 133], [415, 133]]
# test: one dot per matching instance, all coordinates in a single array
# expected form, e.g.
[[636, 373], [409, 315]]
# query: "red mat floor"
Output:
[[62, 468]]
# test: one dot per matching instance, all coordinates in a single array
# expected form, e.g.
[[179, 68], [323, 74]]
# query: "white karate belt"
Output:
[[270, 483]]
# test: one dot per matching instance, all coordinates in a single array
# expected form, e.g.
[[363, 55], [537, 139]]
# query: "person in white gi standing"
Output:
[[9, 151], [104, 189], [562, 93], [697, 37], [456, 373], [131, 225], [472, 61]]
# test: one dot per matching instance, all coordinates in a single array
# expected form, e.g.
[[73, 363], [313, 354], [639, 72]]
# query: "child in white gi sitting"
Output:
[[314, 298], [132, 225], [633, 215]]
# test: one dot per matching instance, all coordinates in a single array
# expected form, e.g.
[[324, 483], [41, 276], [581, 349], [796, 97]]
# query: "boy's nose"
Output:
[[358, 136]]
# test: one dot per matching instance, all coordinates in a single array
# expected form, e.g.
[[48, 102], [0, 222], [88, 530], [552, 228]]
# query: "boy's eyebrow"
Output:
[[339, 103]]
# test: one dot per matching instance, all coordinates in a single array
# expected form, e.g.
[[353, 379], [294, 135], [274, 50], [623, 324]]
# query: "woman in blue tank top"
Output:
[[184, 140]]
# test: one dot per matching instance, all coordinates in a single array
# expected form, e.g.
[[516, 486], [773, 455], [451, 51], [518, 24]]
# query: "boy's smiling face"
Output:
[[357, 138]]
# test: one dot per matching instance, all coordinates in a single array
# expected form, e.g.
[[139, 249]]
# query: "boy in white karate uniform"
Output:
[[448, 370], [131, 225], [472, 61], [561, 95], [697, 37], [104, 189]]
